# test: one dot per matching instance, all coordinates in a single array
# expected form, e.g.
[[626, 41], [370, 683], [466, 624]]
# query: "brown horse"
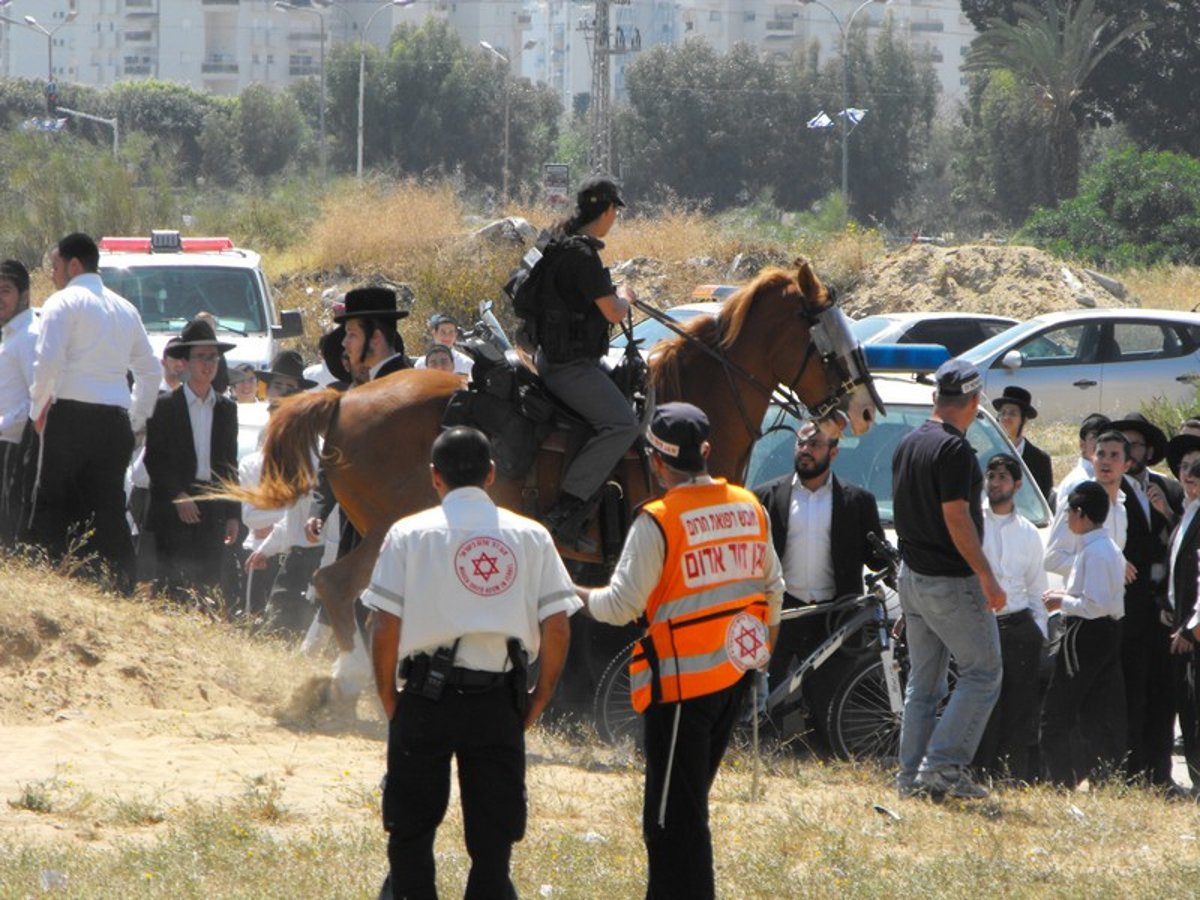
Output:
[[782, 329]]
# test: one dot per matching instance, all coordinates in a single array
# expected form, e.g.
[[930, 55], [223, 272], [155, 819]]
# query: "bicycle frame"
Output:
[[873, 611]]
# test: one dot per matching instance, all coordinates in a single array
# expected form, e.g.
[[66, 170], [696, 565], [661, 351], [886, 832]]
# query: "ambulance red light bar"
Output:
[[159, 245]]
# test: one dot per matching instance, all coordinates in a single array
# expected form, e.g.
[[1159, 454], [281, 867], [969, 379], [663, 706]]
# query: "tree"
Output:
[[270, 128], [1053, 49]]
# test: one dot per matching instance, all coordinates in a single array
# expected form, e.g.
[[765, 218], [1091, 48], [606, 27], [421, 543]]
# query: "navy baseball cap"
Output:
[[958, 378], [598, 191], [677, 433]]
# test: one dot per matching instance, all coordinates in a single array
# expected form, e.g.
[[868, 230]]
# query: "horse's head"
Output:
[[833, 379]]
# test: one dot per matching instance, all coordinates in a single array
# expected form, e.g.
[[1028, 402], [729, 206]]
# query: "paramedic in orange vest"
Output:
[[699, 570]]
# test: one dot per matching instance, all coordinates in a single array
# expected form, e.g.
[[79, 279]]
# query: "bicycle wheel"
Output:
[[613, 710], [861, 722]]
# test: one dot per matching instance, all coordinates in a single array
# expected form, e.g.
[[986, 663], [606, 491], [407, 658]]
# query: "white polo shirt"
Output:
[[471, 570]]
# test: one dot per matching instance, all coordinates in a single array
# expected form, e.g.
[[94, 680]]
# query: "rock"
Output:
[[86, 655], [47, 628], [18, 643]]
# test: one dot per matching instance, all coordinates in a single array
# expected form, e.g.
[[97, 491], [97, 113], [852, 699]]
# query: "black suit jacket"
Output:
[[1146, 543], [171, 455], [1038, 462], [395, 364], [854, 516], [1185, 572]]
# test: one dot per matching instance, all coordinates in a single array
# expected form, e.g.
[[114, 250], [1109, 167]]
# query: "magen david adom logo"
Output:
[[485, 566], [746, 642]]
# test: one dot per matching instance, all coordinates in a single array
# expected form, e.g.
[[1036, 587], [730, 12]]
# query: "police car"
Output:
[[172, 279]]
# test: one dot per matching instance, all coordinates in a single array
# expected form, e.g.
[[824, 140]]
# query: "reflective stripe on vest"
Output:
[[708, 612]]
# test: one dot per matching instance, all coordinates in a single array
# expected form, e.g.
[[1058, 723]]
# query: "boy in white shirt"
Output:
[[1087, 688]]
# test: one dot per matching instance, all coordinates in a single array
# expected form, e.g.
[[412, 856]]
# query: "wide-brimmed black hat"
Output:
[[196, 333], [1018, 396], [373, 302], [1156, 441], [332, 347], [1178, 447], [288, 363]]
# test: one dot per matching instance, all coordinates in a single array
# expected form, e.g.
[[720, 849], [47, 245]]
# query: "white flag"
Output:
[[853, 116], [820, 120]]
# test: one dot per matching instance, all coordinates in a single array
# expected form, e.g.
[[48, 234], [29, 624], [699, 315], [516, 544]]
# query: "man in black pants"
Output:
[[83, 412], [812, 512], [464, 595]]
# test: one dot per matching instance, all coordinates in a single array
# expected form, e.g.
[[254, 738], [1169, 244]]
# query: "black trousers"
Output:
[[680, 852], [486, 736], [1149, 700], [288, 608], [79, 500], [1087, 690], [12, 491], [1185, 672], [191, 557], [1012, 728]]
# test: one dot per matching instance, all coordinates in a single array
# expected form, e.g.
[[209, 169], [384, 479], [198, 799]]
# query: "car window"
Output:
[[865, 329], [1066, 345], [991, 329], [955, 336], [167, 297], [1139, 341], [866, 460]]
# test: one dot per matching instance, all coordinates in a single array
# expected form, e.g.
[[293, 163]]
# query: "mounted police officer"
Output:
[[479, 591], [578, 304], [700, 567]]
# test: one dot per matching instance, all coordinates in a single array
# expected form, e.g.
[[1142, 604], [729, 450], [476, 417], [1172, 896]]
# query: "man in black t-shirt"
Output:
[[578, 305], [947, 591]]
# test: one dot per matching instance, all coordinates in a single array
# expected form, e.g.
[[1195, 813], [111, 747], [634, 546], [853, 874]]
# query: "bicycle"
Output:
[[862, 715]]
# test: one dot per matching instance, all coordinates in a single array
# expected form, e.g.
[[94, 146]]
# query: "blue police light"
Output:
[[918, 358]]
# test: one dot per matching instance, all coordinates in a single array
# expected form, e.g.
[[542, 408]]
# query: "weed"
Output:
[[37, 796], [262, 800]]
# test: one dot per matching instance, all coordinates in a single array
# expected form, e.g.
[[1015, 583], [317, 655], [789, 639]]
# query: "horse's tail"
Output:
[[289, 451]]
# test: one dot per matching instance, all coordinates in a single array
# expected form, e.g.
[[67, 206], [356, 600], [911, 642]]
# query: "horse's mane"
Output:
[[717, 332]]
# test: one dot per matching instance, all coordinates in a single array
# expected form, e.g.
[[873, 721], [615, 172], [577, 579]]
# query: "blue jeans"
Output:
[[945, 617]]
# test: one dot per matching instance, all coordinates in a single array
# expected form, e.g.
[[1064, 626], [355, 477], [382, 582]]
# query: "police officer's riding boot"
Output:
[[566, 519]]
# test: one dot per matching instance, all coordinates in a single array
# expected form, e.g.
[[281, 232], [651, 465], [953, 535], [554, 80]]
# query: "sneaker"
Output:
[[908, 788], [951, 781]]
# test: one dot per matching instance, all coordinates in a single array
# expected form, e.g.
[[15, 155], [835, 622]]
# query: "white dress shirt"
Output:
[[1096, 586], [200, 413], [1189, 513], [1083, 471], [808, 556], [18, 349], [1063, 545], [1014, 551], [89, 338]]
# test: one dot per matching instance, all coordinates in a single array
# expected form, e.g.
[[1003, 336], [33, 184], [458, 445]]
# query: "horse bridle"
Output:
[[829, 336]]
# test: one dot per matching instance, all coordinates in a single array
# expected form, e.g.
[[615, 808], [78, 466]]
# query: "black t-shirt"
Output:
[[934, 464], [580, 278]]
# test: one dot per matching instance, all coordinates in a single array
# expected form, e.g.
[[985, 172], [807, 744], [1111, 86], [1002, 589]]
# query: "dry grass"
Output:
[[1164, 287]]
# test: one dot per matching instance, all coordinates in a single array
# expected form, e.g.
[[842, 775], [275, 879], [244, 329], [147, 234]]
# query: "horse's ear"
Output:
[[806, 278]]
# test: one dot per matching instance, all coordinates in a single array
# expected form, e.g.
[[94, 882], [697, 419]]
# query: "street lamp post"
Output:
[[844, 31], [33, 24], [507, 102], [291, 7], [362, 71]]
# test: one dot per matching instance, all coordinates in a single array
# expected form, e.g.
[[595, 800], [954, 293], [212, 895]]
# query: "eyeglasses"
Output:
[[206, 357]]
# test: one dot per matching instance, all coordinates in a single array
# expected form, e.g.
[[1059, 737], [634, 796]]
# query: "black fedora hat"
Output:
[[196, 333], [1018, 396], [288, 363], [1156, 441], [332, 344], [373, 302], [1178, 447]]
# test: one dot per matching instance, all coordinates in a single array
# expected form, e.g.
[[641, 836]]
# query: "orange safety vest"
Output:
[[707, 614]]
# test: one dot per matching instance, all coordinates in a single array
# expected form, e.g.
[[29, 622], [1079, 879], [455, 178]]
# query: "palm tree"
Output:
[[1053, 50]]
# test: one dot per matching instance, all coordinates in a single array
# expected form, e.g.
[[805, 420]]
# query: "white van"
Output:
[[171, 279]]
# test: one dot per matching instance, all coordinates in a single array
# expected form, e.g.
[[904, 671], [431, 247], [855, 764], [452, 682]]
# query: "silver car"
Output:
[[1096, 360]]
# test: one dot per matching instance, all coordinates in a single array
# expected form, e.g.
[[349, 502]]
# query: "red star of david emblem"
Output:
[[485, 566], [748, 642]]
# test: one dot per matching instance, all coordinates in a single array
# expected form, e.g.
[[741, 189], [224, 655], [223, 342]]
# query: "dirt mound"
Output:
[[1013, 281]]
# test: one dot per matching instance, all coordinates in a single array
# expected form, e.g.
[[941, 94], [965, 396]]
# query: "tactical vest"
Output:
[[566, 334], [707, 615]]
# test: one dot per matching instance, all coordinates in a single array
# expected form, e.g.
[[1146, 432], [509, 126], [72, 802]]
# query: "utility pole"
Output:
[[599, 108]]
